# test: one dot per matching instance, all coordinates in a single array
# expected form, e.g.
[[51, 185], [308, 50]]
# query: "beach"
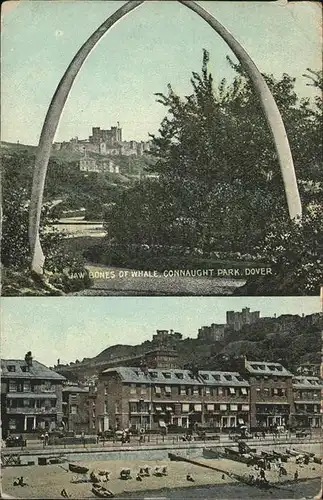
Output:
[[48, 481]]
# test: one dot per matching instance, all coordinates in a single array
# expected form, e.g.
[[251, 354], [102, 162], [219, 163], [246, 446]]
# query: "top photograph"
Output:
[[160, 148]]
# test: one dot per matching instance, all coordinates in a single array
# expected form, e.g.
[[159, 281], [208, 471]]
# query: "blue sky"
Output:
[[159, 42], [76, 327]]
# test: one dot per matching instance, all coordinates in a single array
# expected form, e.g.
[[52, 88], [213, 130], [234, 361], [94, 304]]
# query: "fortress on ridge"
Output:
[[105, 142]]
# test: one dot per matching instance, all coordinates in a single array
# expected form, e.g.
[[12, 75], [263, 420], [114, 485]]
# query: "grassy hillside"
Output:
[[66, 182], [290, 342]]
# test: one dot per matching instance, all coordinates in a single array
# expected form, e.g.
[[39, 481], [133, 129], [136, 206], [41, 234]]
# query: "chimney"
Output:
[[29, 359]]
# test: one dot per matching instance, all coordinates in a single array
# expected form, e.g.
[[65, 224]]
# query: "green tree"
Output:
[[220, 185]]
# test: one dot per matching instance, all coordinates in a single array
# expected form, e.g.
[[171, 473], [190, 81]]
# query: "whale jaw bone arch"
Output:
[[57, 104]]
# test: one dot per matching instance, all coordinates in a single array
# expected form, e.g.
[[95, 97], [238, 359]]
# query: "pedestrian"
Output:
[[296, 475], [46, 438]]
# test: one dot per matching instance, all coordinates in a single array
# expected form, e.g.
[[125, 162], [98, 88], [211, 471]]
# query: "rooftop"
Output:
[[75, 388], [177, 376], [267, 368], [17, 368], [307, 382]]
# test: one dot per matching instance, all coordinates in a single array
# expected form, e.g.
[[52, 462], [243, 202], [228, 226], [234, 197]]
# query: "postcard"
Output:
[[162, 148]]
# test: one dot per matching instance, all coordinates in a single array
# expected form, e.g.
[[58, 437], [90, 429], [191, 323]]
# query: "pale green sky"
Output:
[[159, 42], [76, 327]]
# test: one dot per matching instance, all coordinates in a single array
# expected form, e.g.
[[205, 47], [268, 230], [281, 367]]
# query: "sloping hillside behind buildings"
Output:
[[69, 188], [289, 339]]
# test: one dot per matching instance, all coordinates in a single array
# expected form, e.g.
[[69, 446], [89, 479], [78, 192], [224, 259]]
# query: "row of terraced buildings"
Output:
[[151, 393]]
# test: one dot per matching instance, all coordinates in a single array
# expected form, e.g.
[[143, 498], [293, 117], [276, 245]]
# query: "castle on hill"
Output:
[[105, 142]]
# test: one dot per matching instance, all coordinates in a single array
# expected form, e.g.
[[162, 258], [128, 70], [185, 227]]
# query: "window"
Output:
[[182, 390], [25, 368], [168, 389], [179, 375], [167, 374], [207, 390], [27, 386], [157, 390], [245, 408], [53, 403], [244, 391], [12, 424], [228, 377], [198, 407], [12, 386], [234, 407], [232, 390], [275, 392], [205, 376], [195, 390], [217, 377], [11, 368], [143, 389], [210, 407], [133, 389], [154, 374], [223, 407], [220, 391], [185, 407], [133, 407]]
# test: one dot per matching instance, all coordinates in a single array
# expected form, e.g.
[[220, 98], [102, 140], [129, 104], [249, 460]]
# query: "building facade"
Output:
[[79, 409], [105, 142], [271, 392], [155, 398], [88, 164], [31, 396], [237, 320], [212, 333], [307, 401]]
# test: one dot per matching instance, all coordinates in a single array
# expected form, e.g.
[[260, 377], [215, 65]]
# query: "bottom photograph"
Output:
[[162, 397]]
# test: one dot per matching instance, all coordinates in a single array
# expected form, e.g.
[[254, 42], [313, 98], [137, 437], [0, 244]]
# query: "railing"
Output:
[[31, 411]]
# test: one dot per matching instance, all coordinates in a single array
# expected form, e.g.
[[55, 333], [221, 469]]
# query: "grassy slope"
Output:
[[258, 341]]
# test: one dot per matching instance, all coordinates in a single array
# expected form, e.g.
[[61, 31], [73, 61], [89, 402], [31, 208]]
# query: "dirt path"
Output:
[[121, 281]]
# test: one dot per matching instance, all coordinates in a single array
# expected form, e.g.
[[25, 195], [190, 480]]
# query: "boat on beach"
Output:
[[101, 492], [78, 469]]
